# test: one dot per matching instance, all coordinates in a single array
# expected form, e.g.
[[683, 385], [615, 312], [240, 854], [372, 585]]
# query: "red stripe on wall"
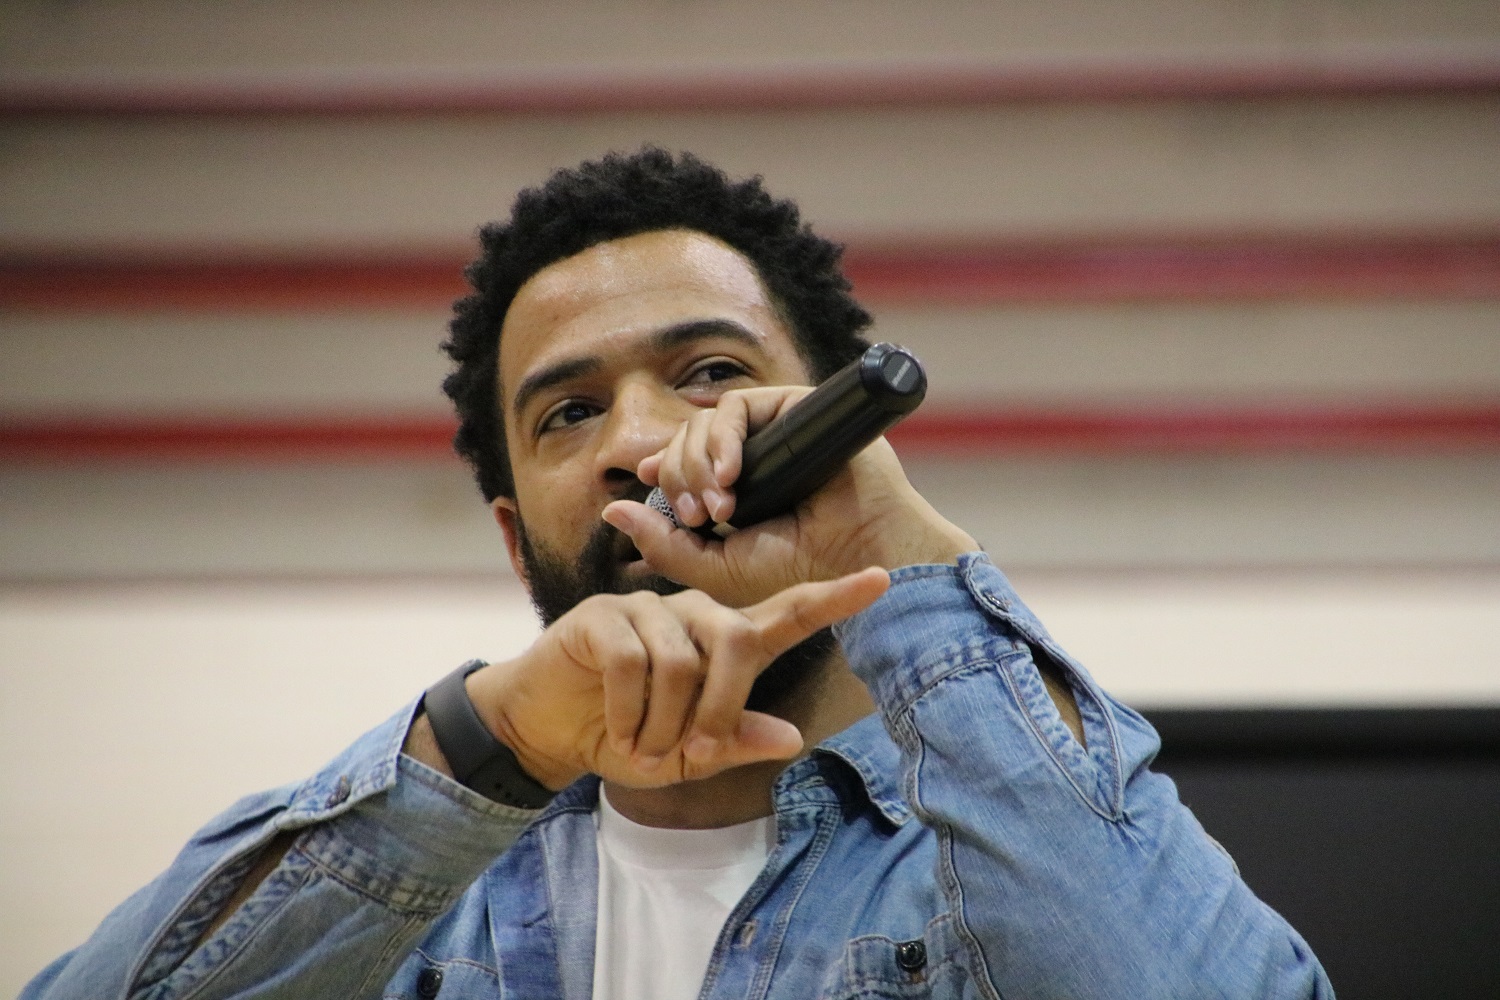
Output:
[[935, 432], [1201, 268], [211, 282], [1202, 431], [885, 271], [585, 91], [210, 440]]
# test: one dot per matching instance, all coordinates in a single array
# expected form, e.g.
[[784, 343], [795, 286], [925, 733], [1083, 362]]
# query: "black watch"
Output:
[[478, 760]]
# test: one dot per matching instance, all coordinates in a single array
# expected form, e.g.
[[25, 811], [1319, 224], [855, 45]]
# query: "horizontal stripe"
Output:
[[1185, 431], [1027, 357], [1427, 508], [1227, 267], [378, 184], [590, 91]]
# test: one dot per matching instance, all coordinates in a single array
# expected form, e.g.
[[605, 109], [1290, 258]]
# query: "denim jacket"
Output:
[[959, 844]]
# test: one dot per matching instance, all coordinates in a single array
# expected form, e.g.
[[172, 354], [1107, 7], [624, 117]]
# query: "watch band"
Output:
[[479, 761]]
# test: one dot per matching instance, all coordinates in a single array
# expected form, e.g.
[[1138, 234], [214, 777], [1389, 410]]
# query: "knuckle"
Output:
[[691, 603], [640, 601], [628, 659], [743, 639], [595, 604], [677, 666], [733, 627], [730, 635]]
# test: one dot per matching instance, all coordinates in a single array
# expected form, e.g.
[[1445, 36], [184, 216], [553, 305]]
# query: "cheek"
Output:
[[557, 505], [542, 465]]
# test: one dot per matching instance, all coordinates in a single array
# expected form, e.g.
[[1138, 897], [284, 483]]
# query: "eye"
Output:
[[566, 414], [716, 370]]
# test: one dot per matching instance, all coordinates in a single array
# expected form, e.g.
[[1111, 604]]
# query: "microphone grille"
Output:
[[657, 501]]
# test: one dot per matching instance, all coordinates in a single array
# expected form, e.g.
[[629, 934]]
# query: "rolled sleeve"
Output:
[[383, 846], [1072, 871]]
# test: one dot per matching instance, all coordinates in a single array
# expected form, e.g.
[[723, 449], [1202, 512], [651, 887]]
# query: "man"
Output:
[[699, 790]]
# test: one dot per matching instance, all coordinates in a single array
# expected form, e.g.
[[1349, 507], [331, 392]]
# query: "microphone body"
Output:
[[792, 456]]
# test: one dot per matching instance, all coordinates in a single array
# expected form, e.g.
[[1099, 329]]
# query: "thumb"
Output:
[[681, 555], [757, 737]]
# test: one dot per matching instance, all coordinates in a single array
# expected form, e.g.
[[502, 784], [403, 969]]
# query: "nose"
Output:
[[640, 422]]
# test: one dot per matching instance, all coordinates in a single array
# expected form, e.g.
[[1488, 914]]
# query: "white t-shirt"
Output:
[[663, 898]]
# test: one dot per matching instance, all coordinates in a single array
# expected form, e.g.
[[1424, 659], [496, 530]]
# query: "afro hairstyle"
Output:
[[618, 196]]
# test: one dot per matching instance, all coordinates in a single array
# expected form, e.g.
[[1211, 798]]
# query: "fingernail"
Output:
[[714, 501], [701, 747], [686, 507], [648, 763], [719, 470]]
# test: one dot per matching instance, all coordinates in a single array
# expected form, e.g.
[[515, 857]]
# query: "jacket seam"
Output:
[[827, 821], [985, 661], [1013, 686], [432, 959], [1086, 690], [158, 939], [442, 897], [997, 607], [946, 874], [398, 934], [248, 934]]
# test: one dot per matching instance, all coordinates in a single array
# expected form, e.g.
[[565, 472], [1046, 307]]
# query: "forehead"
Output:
[[606, 298]]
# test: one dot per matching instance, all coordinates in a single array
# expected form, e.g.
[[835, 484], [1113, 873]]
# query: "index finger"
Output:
[[735, 416], [786, 618]]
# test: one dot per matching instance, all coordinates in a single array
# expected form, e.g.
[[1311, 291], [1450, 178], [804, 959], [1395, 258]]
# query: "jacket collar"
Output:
[[865, 748], [875, 760]]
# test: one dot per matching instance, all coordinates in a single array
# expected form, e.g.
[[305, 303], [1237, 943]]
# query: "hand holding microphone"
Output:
[[821, 462], [791, 457]]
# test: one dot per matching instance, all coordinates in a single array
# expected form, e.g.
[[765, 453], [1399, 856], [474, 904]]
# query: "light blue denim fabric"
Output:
[[983, 853]]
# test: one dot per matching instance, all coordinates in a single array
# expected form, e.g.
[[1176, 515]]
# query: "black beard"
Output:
[[557, 587]]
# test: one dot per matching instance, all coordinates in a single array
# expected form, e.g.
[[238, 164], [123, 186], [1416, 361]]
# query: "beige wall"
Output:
[[277, 39], [1401, 162]]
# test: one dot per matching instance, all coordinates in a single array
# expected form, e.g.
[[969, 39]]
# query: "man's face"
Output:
[[602, 356]]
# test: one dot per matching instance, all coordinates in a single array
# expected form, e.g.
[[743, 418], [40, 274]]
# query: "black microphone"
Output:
[[788, 459]]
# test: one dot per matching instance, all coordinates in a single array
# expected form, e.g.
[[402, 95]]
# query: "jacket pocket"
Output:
[[876, 966], [421, 977]]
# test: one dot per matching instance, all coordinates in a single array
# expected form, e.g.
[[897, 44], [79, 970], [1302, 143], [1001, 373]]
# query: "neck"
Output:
[[831, 701]]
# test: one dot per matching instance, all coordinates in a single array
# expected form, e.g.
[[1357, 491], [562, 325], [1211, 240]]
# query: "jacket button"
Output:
[[429, 982], [911, 955]]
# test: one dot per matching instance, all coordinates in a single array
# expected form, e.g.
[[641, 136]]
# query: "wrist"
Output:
[[493, 696], [919, 536], [422, 746], [941, 547], [474, 757]]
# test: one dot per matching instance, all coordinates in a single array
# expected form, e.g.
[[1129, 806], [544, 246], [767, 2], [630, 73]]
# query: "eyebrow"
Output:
[[663, 340]]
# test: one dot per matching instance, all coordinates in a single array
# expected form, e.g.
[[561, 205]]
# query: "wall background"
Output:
[[1208, 293]]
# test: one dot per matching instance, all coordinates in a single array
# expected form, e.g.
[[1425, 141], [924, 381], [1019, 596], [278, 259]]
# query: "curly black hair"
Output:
[[623, 195]]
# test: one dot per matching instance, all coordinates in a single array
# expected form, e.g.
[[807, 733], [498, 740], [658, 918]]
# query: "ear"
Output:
[[508, 517]]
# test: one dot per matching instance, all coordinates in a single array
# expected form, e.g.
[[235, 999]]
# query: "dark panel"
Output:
[[1377, 834]]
